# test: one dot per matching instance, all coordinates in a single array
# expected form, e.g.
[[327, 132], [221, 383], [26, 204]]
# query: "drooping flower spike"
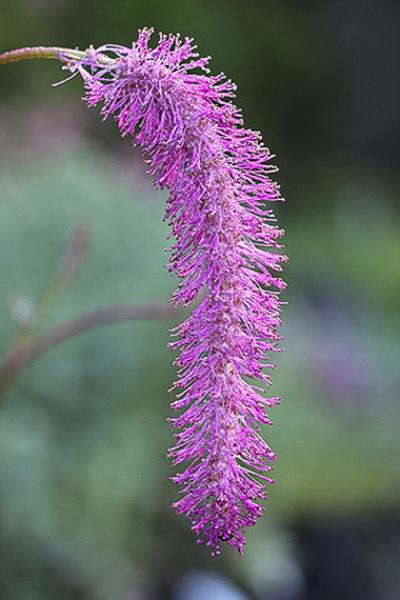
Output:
[[225, 254]]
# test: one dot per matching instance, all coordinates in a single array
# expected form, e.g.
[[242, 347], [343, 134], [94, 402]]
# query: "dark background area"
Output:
[[85, 495]]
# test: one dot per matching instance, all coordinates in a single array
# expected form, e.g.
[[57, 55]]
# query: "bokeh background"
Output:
[[84, 482]]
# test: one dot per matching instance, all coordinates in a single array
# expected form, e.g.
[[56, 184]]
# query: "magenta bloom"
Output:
[[225, 253]]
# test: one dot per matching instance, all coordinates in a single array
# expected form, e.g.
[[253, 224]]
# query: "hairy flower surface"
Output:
[[225, 253]]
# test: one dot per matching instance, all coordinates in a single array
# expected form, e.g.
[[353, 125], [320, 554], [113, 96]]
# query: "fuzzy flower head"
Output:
[[225, 255]]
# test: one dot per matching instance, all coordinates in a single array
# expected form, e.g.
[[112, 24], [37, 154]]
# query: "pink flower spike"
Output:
[[226, 254]]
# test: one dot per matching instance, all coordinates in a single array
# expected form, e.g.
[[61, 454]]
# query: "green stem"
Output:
[[49, 52], [38, 52]]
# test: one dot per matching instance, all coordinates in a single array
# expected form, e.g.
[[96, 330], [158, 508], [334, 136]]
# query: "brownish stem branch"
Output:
[[27, 352]]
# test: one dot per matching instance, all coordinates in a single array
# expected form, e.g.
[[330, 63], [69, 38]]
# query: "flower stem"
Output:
[[52, 52], [49, 52]]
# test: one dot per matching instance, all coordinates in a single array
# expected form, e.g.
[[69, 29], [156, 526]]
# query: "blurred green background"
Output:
[[84, 482]]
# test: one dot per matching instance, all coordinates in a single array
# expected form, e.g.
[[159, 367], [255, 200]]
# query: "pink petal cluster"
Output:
[[226, 254]]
